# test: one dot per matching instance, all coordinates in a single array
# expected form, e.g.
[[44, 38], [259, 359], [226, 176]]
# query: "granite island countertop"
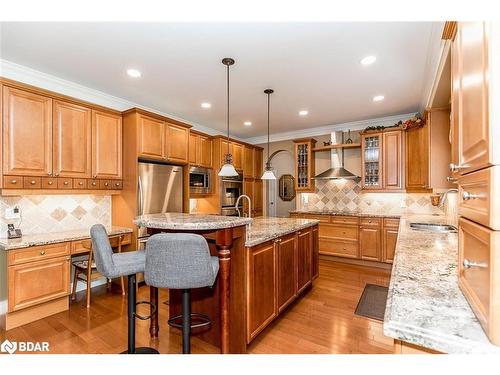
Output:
[[182, 221], [425, 305], [39, 239], [264, 229]]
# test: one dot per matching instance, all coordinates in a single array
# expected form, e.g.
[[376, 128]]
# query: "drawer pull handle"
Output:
[[106, 184], [33, 182], [50, 182], [50, 173], [42, 252], [93, 184], [456, 167], [467, 196], [66, 182], [13, 182], [117, 184], [80, 183], [469, 264]]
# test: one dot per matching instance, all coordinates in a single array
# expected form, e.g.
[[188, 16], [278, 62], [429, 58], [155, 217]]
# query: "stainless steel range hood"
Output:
[[337, 170]]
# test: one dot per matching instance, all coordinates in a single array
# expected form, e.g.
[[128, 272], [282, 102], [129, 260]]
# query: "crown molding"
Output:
[[322, 130], [34, 77]]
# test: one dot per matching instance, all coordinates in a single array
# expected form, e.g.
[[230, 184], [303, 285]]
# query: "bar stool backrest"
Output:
[[179, 261], [103, 253]]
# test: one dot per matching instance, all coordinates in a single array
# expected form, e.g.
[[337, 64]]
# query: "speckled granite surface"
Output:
[[425, 305], [180, 221], [359, 213], [265, 229], [48, 238]]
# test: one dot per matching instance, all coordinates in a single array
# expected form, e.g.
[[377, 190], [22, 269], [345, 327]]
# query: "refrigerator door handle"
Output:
[[139, 183]]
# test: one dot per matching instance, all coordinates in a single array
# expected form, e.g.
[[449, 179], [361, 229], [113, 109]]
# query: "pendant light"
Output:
[[227, 169], [268, 171]]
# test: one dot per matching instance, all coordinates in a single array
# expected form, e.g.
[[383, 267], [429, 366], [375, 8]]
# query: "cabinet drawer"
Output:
[[338, 248], [338, 232], [321, 218], [38, 253], [32, 182], [117, 184], [92, 184], [49, 183], [81, 246], [37, 282], [105, 184], [353, 220], [391, 223], [480, 282], [370, 221], [477, 199], [64, 183], [79, 183], [12, 182]]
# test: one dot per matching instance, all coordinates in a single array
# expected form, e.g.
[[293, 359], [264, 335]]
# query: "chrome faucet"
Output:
[[249, 205], [443, 197]]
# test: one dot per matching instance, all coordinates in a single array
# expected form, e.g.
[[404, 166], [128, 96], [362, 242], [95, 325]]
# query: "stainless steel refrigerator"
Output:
[[160, 189]]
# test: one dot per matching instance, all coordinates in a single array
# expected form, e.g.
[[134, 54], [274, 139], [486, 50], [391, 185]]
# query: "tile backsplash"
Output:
[[55, 213], [346, 195]]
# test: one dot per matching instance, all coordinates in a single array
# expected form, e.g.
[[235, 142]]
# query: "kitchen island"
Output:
[[250, 291]]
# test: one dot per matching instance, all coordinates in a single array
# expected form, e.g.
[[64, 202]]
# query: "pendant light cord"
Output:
[[268, 110], [228, 109]]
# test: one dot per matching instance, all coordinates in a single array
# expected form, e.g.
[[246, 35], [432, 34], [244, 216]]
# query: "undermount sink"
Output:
[[439, 228]]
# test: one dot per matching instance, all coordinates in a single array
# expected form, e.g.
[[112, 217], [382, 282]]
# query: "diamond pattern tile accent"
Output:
[[79, 212], [58, 214]]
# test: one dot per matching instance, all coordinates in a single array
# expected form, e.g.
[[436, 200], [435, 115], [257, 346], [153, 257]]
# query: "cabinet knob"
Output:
[[51, 182], [66, 182], [42, 252], [106, 184], [470, 263], [56, 174], [94, 183], [117, 184], [50, 173], [467, 196], [32, 182], [80, 183], [13, 182]]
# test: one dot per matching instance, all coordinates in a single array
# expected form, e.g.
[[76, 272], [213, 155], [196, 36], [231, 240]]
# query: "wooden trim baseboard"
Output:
[[30, 314], [356, 262]]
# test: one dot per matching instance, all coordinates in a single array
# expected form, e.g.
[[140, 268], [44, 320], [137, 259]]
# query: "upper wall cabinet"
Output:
[[27, 133], [248, 165], [176, 143], [72, 145], [477, 105], [200, 150], [304, 165], [106, 145], [417, 159], [237, 150]]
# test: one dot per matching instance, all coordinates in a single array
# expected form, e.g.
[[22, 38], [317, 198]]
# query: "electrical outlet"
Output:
[[402, 203], [12, 213]]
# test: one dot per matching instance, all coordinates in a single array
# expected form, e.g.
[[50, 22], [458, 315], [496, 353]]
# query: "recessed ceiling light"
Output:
[[134, 73], [303, 112], [368, 60], [206, 105], [247, 123], [378, 98]]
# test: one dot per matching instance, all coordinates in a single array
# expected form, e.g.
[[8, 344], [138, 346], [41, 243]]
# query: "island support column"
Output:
[[224, 242]]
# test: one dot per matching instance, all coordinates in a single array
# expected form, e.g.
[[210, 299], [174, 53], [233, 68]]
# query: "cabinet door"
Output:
[[27, 133], [372, 167], [473, 124], [106, 145], [257, 194], [417, 159], [176, 143], [261, 282], [258, 163], [369, 243], [393, 160], [193, 148], [205, 151], [72, 140], [237, 156], [150, 138], [315, 252], [248, 190], [287, 265], [37, 282], [389, 244], [304, 259], [248, 165]]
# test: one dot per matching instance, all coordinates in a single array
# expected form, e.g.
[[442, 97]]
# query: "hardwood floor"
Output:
[[322, 321]]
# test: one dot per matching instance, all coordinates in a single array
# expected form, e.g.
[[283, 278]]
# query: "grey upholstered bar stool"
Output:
[[181, 261], [112, 265]]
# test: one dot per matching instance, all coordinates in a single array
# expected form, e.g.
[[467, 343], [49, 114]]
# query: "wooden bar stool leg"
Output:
[[75, 283], [123, 285], [89, 278]]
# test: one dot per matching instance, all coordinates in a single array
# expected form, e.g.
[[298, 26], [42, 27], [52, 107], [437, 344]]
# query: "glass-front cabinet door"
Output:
[[371, 156], [304, 165]]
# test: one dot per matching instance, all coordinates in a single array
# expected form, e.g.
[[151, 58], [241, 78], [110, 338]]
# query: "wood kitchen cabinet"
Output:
[[27, 133], [150, 138], [248, 162], [72, 141], [258, 162], [106, 145], [304, 259], [389, 239], [304, 164], [248, 189], [237, 151], [393, 177], [417, 159], [261, 283], [258, 203], [176, 143], [369, 243], [315, 252], [286, 263], [200, 150]]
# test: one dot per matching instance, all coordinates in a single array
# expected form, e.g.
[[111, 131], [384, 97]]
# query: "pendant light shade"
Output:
[[228, 170], [268, 171]]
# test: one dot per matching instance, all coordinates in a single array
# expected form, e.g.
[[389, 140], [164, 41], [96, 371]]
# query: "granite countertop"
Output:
[[181, 221], [265, 229], [56, 237], [359, 213], [425, 305]]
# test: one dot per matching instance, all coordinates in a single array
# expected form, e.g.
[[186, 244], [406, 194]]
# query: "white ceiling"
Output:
[[313, 66]]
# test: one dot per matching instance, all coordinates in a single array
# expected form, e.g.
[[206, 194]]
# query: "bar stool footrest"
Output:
[[142, 317], [176, 321], [143, 350]]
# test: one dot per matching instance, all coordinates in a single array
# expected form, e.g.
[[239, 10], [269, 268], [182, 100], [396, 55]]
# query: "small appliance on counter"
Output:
[[12, 215]]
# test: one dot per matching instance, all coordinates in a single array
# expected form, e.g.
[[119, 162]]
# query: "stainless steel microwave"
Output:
[[200, 180]]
